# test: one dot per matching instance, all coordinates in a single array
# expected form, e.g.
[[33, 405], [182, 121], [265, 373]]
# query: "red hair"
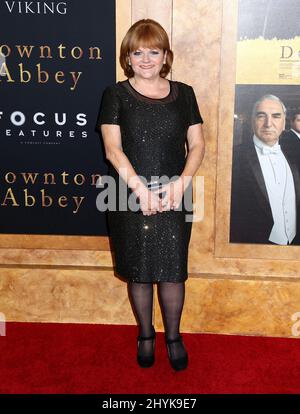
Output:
[[145, 33]]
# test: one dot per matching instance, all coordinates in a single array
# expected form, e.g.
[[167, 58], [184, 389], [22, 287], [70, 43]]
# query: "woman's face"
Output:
[[147, 62]]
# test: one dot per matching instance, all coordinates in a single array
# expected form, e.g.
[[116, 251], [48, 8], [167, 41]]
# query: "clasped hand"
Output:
[[151, 203]]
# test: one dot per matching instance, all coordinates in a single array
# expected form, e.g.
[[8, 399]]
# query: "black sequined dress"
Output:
[[151, 248]]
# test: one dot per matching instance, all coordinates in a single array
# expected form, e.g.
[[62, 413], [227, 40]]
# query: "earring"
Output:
[[129, 63]]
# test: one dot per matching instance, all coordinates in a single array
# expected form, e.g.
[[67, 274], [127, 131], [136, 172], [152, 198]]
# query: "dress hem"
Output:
[[142, 280]]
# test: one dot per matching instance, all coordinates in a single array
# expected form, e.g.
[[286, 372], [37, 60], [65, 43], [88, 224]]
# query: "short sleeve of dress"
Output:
[[194, 113], [109, 108]]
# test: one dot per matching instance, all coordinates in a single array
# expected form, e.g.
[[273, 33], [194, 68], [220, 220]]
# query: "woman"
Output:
[[145, 122]]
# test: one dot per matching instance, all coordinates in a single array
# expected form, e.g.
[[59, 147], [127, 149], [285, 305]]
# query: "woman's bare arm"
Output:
[[111, 134], [114, 153], [196, 150]]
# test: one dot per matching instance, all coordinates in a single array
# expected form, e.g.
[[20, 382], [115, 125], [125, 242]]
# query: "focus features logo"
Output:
[[42, 125], [36, 7]]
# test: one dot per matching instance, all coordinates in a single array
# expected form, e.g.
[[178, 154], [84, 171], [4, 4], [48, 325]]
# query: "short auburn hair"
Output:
[[145, 33]]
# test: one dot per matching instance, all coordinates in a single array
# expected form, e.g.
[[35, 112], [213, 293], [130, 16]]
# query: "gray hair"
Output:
[[271, 98]]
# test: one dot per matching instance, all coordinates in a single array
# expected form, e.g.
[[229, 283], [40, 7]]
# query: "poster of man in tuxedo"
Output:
[[265, 182]]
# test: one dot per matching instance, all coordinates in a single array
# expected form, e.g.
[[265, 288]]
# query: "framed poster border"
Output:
[[224, 249]]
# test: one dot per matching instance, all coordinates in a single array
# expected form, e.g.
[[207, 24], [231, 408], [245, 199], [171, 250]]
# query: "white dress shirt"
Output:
[[281, 191]]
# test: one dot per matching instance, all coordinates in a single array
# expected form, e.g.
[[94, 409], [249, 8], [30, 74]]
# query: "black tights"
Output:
[[171, 298]]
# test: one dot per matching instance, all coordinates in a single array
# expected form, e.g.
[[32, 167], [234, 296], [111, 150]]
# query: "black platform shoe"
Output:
[[146, 361], [177, 363]]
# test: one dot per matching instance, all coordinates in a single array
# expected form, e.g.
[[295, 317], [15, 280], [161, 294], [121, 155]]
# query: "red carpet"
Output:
[[100, 359]]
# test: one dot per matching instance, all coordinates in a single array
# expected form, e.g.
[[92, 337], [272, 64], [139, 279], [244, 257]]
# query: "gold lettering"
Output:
[[42, 48], [95, 178], [42, 72], [98, 53], [14, 177], [46, 52], [22, 72], [61, 201], [10, 196], [8, 50], [32, 177], [60, 47], [23, 50], [75, 77], [76, 179], [27, 198], [64, 175], [45, 198], [77, 202], [5, 72], [59, 74], [80, 52], [52, 178]]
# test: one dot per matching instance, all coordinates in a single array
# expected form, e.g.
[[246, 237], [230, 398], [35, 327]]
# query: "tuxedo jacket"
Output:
[[251, 218], [290, 142]]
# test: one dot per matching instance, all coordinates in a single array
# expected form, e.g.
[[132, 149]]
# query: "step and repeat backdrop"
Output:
[[56, 58]]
